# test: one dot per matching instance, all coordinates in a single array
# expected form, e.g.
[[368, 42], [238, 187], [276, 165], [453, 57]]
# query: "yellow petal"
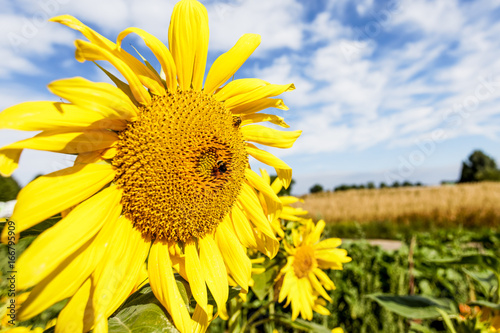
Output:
[[327, 244], [325, 280], [100, 97], [228, 63], [68, 277], [67, 142], [91, 35], [239, 87], [267, 245], [251, 205], [266, 176], [289, 281], [92, 52], [195, 275], [125, 63], [269, 136], [77, 316], [9, 160], [89, 157], [215, 273], [165, 287], [305, 299], [159, 50], [273, 203], [51, 247], [201, 319], [188, 40], [119, 83], [332, 259], [261, 117], [288, 200], [322, 311], [242, 227], [41, 116], [318, 287], [314, 236], [50, 194], [266, 91], [237, 262], [258, 105], [116, 277]]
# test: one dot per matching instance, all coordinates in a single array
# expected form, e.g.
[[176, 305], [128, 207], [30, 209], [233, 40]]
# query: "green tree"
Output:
[[9, 188], [370, 185], [479, 167], [316, 188]]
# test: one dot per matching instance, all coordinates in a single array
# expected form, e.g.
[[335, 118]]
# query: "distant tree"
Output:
[[406, 184], [342, 187], [9, 188], [396, 184], [370, 185], [361, 187], [418, 184], [382, 185], [316, 188], [284, 191], [479, 167]]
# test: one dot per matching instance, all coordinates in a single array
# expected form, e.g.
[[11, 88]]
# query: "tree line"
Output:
[[477, 167]]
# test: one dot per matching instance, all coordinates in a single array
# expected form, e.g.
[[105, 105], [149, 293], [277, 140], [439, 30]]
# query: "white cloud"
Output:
[[351, 93], [279, 22], [431, 17]]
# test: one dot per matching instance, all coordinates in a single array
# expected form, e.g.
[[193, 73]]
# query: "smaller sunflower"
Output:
[[303, 277]]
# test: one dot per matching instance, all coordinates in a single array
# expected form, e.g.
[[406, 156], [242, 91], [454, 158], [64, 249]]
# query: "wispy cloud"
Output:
[[369, 74]]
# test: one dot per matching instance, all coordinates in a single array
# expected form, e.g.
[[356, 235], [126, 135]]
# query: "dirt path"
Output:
[[385, 244]]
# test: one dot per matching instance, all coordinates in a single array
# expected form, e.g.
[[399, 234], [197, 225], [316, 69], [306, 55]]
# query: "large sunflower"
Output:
[[161, 175], [303, 278]]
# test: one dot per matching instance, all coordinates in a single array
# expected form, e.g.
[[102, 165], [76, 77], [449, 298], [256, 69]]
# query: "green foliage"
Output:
[[374, 272], [9, 188], [414, 307], [316, 188], [479, 167], [371, 271], [371, 185], [142, 312]]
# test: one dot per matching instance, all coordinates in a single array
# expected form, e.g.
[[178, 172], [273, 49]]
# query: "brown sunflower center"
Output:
[[304, 261], [181, 165]]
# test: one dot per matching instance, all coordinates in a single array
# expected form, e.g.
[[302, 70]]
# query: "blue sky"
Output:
[[386, 90]]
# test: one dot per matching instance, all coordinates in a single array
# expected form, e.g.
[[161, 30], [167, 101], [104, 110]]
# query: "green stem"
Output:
[[255, 316]]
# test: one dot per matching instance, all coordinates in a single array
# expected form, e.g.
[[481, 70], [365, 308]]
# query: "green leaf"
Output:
[[414, 307], [447, 320], [414, 327], [264, 282], [141, 318], [40, 227], [487, 304], [488, 282], [486, 261], [142, 312]]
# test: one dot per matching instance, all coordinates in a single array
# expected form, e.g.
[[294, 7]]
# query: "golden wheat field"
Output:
[[468, 205]]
